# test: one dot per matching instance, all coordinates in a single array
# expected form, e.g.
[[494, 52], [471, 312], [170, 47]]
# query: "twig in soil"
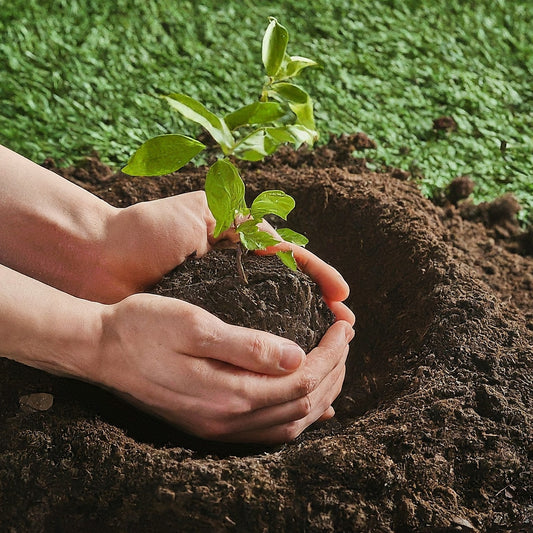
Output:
[[240, 268]]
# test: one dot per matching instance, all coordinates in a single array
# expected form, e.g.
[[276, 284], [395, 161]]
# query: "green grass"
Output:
[[77, 76]]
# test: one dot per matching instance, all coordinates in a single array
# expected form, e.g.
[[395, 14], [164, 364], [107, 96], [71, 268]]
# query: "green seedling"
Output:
[[282, 114]]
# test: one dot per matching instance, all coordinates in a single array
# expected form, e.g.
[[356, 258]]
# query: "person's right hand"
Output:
[[215, 380]]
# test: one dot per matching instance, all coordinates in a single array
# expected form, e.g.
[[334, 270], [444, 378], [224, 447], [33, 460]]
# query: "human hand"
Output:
[[147, 240], [215, 380]]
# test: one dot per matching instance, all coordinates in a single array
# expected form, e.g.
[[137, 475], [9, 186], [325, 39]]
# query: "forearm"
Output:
[[46, 328], [51, 229]]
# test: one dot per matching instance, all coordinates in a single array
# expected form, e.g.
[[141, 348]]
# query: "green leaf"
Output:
[[256, 113], [280, 135], [274, 46], [197, 112], [292, 66], [224, 189], [272, 202], [289, 235], [287, 258], [162, 155], [299, 102], [263, 142], [289, 92], [304, 114], [302, 134], [252, 238], [253, 147], [297, 64]]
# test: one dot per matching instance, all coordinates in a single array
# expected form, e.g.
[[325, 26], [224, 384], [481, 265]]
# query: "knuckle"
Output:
[[209, 337], [241, 405], [206, 333], [304, 407], [216, 428], [258, 349], [291, 430], [210, 430], [307, 384], [191, 315]]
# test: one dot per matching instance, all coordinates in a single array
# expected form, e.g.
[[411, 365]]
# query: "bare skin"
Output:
[[71, 270]]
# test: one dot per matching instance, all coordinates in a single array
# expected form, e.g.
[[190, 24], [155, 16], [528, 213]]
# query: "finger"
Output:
[[331, 282], [341, 311], [253, 350], [328, 414], [288, 431], [314, 404], [319, 363]]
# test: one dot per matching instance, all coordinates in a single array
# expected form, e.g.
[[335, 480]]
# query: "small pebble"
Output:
[[40, 401]]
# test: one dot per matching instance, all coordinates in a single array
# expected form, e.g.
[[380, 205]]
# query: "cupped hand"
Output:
[[215, 380]]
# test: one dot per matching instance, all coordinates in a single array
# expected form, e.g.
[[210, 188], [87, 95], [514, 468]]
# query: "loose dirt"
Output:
[[434, 426]]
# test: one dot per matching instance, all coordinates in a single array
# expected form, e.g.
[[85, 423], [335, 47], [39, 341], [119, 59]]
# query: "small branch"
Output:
[[240, 268]]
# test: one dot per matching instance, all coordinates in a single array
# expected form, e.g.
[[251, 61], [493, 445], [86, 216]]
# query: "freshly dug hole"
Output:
[[433, 422], [348, 224]]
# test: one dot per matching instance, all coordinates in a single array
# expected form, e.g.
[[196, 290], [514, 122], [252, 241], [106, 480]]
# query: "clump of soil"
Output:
[[459, 189], [434, 426], [445, 123], [499, 216], [274, 299]]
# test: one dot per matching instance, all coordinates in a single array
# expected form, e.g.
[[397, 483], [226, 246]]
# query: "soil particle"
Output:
[[459, 189], [445, 124], [434, 424]]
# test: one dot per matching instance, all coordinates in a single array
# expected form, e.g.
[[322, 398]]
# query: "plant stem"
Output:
[[240, 268]]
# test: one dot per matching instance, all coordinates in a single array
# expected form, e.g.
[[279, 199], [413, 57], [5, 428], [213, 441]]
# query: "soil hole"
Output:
[[348, 225]]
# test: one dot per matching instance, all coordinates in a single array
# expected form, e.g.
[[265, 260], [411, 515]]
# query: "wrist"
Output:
[[52, 230], [47, 329], [72, 351], [131, 252]]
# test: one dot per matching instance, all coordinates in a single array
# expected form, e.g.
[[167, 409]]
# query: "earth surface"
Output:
[[434, 426]]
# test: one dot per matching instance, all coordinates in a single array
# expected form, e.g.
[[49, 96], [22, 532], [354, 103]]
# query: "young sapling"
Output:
[[282, 114]]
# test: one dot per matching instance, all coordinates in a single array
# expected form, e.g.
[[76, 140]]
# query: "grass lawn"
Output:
[[77, 76]]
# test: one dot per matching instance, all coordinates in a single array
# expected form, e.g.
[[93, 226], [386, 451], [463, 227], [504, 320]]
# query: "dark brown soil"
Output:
[[274, 299], [434, 427]]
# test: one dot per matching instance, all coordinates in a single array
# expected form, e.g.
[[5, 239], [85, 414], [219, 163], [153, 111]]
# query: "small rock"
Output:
[[463, 523], [40, 401]]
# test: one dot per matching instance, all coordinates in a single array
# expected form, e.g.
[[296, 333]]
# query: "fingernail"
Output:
[[350, 334], [291, 357]]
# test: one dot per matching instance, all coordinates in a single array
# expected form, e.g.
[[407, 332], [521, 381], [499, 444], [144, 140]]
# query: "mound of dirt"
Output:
[[434, 426]]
